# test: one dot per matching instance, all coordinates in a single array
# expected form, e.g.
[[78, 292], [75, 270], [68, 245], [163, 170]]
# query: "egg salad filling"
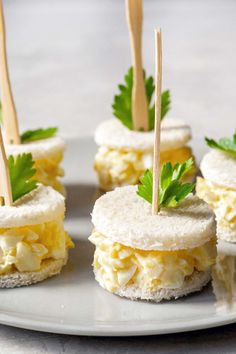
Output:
[[118, 266], [48, 171], [120, 167], [24, 248], [222, 200], [223, 274]]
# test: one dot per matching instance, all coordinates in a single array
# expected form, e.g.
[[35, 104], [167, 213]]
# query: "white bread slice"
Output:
[[112, 133], [124, 217], [49, 268], [40, 149], [226, 234], [225, 248], [42, 205], [192, 284], [219, 168]]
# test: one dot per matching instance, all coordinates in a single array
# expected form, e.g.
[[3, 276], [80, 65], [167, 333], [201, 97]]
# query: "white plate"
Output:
[[73, 303]]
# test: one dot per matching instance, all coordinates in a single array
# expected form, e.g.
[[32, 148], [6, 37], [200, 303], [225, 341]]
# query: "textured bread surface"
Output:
[[124, 217], [192, 284], [40, 149], [42, 205], [49, 268], [112, 133], [220, 168], [226, 234]]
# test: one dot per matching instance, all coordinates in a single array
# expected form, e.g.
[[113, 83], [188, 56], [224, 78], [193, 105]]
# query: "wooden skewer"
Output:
[[8, 106], [5, 183], [157, 141], [139, 98]]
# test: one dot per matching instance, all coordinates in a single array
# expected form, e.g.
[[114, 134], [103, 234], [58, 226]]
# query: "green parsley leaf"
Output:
[[21, 175], [38, 134], [145, 186], [225, 144], [171, 190], [122, 104]]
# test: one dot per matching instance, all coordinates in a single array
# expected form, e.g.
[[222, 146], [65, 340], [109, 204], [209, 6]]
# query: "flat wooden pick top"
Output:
[[139, 98], [8, 106]]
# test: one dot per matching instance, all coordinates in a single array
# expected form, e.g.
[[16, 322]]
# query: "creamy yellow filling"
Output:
[[120, 167], [222, 201], [24, 248], [48, 171], [118, 266], [224, 278]]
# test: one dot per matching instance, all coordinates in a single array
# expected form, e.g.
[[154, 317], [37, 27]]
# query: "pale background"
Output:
[[66, 58]]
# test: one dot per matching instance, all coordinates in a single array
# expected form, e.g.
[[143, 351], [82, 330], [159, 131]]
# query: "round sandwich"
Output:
[[218, 185], [152, 257], [47, 154], [223, 276], [124, 153], [33, 243]]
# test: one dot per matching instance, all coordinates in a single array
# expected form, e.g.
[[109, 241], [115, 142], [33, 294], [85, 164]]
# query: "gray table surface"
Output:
[[65, 59]]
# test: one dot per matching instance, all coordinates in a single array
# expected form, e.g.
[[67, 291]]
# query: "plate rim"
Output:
[[104, 328]]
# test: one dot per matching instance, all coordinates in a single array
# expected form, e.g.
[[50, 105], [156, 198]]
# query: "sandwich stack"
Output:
[[218, 185], [33, 243], [126, 142], [223, 276], [154, 241]]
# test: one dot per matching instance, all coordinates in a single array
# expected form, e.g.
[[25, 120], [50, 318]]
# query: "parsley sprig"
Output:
[[122, 104], [225, 144], [171, 190], [21, 175], [38, 134]]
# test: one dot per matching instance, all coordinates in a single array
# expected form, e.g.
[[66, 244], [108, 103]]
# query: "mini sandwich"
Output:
[[33, 243], [139, 255], [218, 185], [126, 143], [47, 150], [125, 154], [223, 276]]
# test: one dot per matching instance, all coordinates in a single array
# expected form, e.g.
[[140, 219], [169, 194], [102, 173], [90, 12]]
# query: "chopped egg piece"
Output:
[[119, 266], [24, 248], [222, 200], [120, 167]]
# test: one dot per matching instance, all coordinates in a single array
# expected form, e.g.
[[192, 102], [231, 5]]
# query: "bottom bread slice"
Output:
[[192, 284], [49, 268]]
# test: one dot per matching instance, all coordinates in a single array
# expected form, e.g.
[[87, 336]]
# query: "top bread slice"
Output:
[[124, 217], [40, 149], [112, 133], [42, 205], [219, 168]]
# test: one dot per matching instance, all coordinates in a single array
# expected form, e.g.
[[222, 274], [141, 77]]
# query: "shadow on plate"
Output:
[[80, 199]]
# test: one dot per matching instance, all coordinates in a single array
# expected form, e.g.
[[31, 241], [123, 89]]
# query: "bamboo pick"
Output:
[[5, 183], [139, 100], [157, 141], [8, 106]]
